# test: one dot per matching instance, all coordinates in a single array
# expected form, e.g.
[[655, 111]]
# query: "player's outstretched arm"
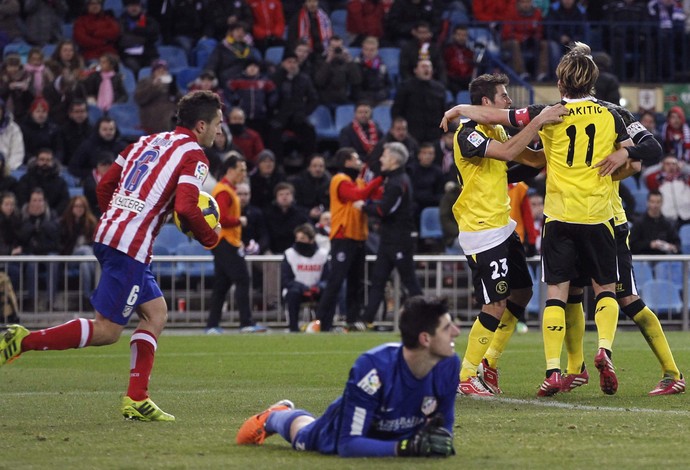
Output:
[[481, 114]]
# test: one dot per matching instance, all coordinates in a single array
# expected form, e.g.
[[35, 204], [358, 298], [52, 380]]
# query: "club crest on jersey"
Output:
[[201, 171], [475, 139], [370, 383], [429, 405]]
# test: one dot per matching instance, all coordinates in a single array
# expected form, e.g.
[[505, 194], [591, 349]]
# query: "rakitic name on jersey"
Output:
[[581, 110]]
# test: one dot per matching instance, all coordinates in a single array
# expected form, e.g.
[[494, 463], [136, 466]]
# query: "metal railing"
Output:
[[187, 286]]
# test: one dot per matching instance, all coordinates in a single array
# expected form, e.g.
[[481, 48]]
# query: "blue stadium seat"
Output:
[[640, 196], [274, 54], [126, 116], [95, 113], [670, 271], [21, 48], [430, 224], [382, 116], [67, 30], [643, 272], [129, 81], [170, 237], [338, 23], [185, 76], [344, 114], [18, 173], [202, 50], [115, 6], [684, 234], [463, 97], [662, 296], [75, 191], [391, 57], [322, 120], [48, 50], [144, 72], [193, 268], [174, 55], [71, 181], [354, 51]]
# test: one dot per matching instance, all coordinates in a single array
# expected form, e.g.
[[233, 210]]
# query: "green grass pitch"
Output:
[[61, 409]]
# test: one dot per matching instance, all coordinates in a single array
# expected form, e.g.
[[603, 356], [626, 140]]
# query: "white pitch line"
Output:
[[575, 406]]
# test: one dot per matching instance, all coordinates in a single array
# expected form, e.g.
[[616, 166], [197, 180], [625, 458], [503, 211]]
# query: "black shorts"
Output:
[[498, 270], [626, 284], [573, 252]]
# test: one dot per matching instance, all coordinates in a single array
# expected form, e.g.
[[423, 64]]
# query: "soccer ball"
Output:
[[208, 206]]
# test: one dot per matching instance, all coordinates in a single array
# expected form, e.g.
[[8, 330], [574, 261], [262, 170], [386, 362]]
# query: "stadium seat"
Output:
[[144, 72], [129, 81], [171, 237], [18, 173], [48, 50], [391, 57], [662, 296], [75, 191], [95, 113], [640, 196], [71, 181], [126, 116], [344, 114], [670, 271], [338, 23], [643, 272], [193, 268], [430, 224], [355, 51], [185, 76], [115, 6], [21, 48], [67, 30], [463, 97], [684, 234], [162, 268], [382, 116], [274, 54], [203, 50], [175, 56], [322, 121]]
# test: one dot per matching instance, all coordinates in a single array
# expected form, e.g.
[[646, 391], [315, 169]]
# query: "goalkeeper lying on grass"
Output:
[[398, 401]]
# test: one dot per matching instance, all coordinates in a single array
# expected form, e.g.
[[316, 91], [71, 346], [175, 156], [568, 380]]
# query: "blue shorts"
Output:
[[124, 285]]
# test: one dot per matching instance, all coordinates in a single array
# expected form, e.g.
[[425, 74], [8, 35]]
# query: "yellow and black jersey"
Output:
[[482, 210], [575, 192]]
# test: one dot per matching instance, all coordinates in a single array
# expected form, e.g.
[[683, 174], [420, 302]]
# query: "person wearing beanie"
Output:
[[139, 35], [675, 133]]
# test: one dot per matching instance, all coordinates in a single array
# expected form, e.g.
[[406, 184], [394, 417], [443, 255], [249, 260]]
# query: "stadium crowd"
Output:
[[79, 81]]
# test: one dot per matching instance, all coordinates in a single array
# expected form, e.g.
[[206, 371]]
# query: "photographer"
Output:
[[337, 76]]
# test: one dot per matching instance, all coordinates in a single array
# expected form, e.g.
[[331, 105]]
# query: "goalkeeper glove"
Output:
[[433, 440]]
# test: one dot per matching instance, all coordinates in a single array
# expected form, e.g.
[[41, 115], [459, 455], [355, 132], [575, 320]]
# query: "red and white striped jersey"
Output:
[[141, 188]]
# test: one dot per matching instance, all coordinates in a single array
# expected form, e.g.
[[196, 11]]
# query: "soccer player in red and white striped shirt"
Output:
[[149, 179]]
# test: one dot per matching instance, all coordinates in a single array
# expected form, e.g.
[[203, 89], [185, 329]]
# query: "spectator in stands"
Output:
[[443, 148], [14, 86], [104, 86], [231, 55], [40, 131], [536, 204], [421, 47], [77, 228], [67, 67], [307, 60], [567, 22], [629, 26], [337, 76], [256, 95], [282, 217], [96, 32], [44, 172], [269, 23], [207, 80], [366, 18], [397, 133], [139, 34], [675, 133], [75, 130], [10, 221], [10, 22], [247, 140], [255, 233], [41, 76], [106, 159], [264, 178], [157, 96], [491, 11], [105, 138], [7, 181], [362, 133], [449, 226], [181, 21], [376, 83], [523, 34], [11, 139], [311, 188], [220, 14], [43, 21], [669, 18], [297, 99], [303, 273], [38, 233], [66, 62], [323, 231], [606, 87], [673, 183], [420, 100], [648, 120], [427, 181], [220, 150], [311, 24], [652, 233], [458, 58], [405, 14]]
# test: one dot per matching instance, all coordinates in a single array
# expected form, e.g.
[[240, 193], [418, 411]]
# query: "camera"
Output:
[[338, 50]]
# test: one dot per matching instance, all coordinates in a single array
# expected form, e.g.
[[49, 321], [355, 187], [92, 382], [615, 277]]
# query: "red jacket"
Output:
[[366, 17], [96, 35], [523, 27], [269, 19], [492, 10]]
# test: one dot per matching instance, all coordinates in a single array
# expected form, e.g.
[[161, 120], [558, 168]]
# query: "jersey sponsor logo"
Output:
[[502, 287], [475, 138], [370, 383], [635, 128], [128, 203], [429, 405], [201, 171]]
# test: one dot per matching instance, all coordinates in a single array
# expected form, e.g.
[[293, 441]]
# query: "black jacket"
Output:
[[421, 102], [395, 208]]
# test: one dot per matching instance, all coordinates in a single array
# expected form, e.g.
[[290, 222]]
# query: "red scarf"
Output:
[[367, 142], [324, 22]]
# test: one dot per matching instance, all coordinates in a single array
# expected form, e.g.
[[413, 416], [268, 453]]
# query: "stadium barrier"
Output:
[[187, 282]]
